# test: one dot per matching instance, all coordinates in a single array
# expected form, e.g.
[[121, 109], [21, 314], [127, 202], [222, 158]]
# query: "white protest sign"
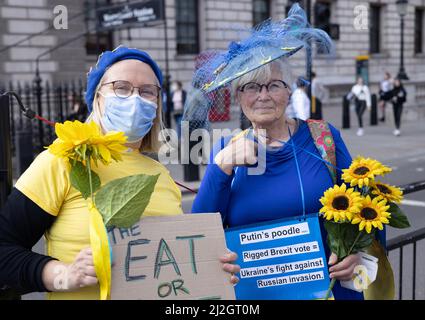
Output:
[[170, 257]]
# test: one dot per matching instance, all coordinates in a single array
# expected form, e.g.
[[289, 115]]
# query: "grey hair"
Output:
[[263, 74]]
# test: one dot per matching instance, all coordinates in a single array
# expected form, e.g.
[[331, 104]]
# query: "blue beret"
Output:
[[108, 58]]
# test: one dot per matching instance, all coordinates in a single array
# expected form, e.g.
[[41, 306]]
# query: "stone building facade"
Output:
[[218, 22]]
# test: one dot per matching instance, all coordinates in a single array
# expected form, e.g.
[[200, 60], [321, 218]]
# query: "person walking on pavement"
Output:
[[178, 99], [318, 93], [385, 94], [361, 95], [398, 94], [299, 106]]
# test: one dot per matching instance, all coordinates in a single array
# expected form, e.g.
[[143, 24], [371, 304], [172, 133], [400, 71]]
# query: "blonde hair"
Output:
[[150, 142]]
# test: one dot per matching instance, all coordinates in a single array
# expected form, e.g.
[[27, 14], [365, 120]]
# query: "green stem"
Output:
[[90, 180], [328, 293], [354, 243]]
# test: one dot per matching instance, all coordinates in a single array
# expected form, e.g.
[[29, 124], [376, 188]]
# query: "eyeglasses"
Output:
[[124, 89], [252, 88]]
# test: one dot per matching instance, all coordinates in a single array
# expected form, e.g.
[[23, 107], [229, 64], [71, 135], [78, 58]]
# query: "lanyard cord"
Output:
[[294, 147], [306, 151], [298, 173]]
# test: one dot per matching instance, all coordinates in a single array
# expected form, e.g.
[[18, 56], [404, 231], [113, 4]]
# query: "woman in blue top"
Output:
[[243, 198]]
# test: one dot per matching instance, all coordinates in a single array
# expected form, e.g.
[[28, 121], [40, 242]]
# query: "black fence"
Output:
[[407, 245], [54, 102]]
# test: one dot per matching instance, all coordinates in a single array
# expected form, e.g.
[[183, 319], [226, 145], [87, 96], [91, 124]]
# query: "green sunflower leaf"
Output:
[[79, 178], [351, 231], [335, 239], [122, 202], [341, 237], [398, 219]]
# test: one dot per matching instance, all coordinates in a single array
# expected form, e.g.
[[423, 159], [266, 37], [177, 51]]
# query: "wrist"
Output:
[[55, 276]]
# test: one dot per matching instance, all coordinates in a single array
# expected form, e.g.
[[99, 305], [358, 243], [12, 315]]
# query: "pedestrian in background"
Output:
[[178, 98], [399, 95], [385, 95], [299, 106], [319, 93], [361, 95]]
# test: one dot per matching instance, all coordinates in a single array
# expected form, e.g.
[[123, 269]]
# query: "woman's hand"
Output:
[[343, 270], [239, 152], [228, 266], [58, 276]]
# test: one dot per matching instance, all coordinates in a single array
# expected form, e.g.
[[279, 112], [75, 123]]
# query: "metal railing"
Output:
[[55, 102], [399, 243]]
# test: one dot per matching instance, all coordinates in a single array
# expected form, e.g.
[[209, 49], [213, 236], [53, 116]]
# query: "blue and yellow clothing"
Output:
[[46, 183], [246, 199]]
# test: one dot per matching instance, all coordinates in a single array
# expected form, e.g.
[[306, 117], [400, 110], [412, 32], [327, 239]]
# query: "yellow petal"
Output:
[[104, 153], [368, 227], [356, 220]]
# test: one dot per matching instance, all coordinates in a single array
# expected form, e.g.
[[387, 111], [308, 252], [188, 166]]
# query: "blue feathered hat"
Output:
[[108, 58], [269, 41]]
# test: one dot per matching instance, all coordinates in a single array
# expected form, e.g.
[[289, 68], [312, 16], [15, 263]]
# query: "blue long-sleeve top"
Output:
[[245, 199]]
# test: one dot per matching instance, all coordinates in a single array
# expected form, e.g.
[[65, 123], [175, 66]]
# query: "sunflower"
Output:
[[78, 140], [388, 192], [362, 171], [373, 213], [340, 203]]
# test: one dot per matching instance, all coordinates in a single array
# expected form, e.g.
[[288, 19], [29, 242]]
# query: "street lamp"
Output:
[[402, 11]]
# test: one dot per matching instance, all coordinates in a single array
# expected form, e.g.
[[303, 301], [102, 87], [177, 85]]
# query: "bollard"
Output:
[[316, 109], [24, 150], [190, 169], [345, 113], [6, 293], [5, 151], [373, 111]]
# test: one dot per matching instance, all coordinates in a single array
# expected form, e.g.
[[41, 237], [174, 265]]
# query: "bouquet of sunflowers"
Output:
[[83, 146], [354, 213]]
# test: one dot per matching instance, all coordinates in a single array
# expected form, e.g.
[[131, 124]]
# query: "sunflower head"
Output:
[[373, 213], [77, 141], [363, 170], [340, 203], [386, 191]]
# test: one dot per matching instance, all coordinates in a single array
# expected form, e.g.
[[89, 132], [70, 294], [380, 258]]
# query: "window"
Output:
[[187, 27], [419, 23], [375, 29], [96, 41], [261, 11], [291, 2], [322, 16]]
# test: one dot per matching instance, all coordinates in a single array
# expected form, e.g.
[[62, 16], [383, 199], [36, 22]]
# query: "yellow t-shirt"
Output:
[[46, 182]]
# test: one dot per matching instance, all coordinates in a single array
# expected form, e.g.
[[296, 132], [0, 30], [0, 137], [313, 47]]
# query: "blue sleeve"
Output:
[[343, 157], [214, 191]]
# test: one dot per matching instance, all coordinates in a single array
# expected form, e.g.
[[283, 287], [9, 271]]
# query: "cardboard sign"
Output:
[[281, 260], [170, 257]]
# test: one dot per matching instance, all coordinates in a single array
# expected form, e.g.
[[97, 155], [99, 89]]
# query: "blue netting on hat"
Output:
[[267, 42]]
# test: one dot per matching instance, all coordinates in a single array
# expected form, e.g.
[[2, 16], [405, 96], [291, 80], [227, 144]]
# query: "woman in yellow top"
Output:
[[123, 94]]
